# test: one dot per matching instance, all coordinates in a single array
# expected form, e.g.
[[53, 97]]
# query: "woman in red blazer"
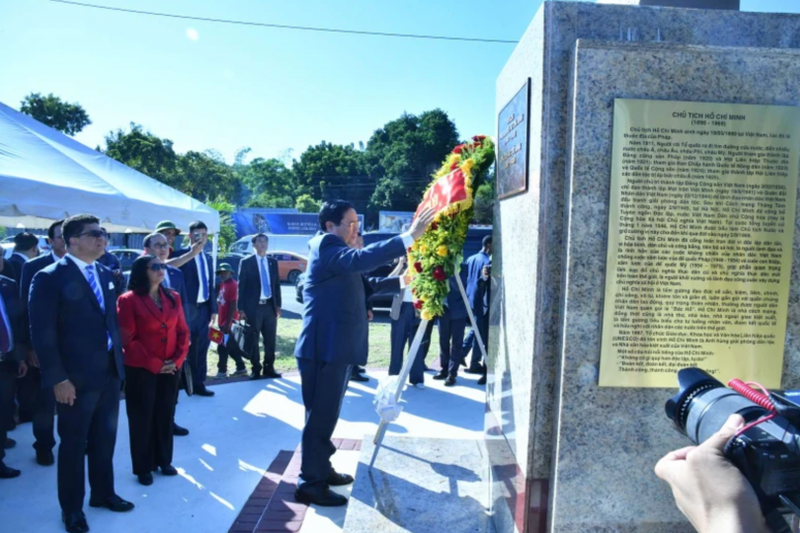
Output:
[[155, 340]]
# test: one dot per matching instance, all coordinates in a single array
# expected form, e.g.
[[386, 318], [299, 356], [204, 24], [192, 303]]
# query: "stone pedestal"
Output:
[[564, 454]]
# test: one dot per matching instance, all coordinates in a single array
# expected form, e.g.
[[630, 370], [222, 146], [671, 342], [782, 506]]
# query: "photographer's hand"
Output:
[[709, 489]]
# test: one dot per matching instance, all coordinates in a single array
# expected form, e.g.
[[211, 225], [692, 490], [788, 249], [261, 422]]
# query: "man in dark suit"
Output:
[[26, 247], [156, 244], [44, 401], [75, 335], [111, 262], [12, 364], [260, 302], [334, 335], [198, 274], [451, 333], [475, 288]]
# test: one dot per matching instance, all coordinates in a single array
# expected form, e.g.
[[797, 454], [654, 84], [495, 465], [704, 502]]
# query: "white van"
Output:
[[285, 243]]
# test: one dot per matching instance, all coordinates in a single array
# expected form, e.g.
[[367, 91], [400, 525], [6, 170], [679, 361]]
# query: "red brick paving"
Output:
[[271, 508]]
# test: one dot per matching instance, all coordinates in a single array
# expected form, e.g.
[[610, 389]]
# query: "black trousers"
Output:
[[266, 324], [8, 378], [44, 414], [224, 352], [198, 349], [402, 336], [324, 386], [88, 426], [483, 328], [26, 389], [451, 339], [150, 404]]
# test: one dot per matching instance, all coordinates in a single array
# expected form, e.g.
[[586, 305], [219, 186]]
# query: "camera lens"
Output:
[[703, 404]]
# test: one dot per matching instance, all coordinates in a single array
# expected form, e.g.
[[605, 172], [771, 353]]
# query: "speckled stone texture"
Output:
[[528, 384], [420, 486]]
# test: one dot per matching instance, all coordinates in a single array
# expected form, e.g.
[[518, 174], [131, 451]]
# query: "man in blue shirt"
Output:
[[476, 292]]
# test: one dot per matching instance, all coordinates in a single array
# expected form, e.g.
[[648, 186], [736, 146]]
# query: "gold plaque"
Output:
[[701, 222]]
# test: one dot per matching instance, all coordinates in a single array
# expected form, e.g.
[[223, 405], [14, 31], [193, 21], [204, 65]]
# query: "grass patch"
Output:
[[380, 347]]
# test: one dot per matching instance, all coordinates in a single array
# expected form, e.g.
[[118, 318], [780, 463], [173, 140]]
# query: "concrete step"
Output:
[[420, 485]]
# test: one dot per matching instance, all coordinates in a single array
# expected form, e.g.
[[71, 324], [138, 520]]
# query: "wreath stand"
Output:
[[412, 355]]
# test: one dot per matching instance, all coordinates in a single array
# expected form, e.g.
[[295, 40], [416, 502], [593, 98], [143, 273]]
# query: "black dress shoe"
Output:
[[75, 522], [179, 431], [45, 458], [441, 375], [6, 472], [146, 479], [169, 470], [474, 370], [335, 479], [450, 381], [271, 374], [114, 503], [203, 391], [482, 381], [361, 370], [9, 443], [255, 375], [322, 496], [358, 377]]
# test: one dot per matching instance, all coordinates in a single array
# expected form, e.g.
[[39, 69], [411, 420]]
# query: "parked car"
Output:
[[126, 257], [7, 245], [290, 265]]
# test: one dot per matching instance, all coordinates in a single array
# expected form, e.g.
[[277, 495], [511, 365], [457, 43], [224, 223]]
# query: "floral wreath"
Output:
[[437, 255]]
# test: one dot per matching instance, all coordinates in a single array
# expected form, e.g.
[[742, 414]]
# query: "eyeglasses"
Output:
[[158, 267], [159, 246], [94, 233], [352, 225]]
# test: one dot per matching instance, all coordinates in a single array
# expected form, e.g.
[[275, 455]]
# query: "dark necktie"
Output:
[[5, 335]]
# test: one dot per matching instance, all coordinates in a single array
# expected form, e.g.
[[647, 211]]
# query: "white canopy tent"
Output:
[[45, 176]]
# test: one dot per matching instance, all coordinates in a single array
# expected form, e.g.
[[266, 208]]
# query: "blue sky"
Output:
[[268, 89]]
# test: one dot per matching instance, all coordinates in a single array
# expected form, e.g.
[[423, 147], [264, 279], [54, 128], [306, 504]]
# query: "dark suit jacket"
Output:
[[68, 328], [250, 285], [30, 269], [335, 324], [476, 290], [192, 283], [111, 262], [178, 284], [17, 263], [9, 291], [151, 335]]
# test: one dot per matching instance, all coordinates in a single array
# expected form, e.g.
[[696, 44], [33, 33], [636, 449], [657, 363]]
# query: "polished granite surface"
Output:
[[420, 486]]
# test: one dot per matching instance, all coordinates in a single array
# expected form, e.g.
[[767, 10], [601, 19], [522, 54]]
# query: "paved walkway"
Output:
[[234, 439]]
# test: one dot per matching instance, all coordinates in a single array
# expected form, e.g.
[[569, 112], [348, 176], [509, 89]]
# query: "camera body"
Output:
[[766, 451]]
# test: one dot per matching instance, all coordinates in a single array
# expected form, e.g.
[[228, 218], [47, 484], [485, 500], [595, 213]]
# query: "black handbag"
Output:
[[245, 339]]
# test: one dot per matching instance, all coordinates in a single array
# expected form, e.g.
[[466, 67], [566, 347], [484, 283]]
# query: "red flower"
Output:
[[418, 304], [458, 149], [438, 274], [479, 138], [454, 166], [434, 226], [418, 266]]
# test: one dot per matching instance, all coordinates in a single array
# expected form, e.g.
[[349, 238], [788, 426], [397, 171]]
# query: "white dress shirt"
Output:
[[7, 322], [82, 266], [200, 263]]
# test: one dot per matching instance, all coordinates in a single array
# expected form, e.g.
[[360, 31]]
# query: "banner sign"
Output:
[[449, 190], [251, 221], [395, 221]]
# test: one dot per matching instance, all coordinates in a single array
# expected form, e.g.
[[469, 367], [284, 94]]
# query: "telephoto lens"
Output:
[[703, 404]]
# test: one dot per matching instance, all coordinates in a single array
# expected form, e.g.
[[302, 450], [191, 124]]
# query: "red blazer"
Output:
[[151, 335]]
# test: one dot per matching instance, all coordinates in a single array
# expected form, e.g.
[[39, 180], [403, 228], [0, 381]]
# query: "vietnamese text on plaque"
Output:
[[701, 221]]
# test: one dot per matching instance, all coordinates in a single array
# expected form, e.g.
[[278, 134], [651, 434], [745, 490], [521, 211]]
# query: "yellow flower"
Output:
[[467, 165], [423, 248], [426, 315], [415, 246], [452, 158], [442, 251]]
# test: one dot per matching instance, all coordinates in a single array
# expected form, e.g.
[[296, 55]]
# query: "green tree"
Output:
[[403, 154], [145, 152], [227, 230], [328, 169], [205, 178], [306, 204], [267, 183], [56, 113]]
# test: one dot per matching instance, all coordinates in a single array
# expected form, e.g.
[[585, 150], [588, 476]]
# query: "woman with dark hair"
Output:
[[155, 340]]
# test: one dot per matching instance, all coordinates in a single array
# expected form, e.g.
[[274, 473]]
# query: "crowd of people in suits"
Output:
[[75, 335]]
